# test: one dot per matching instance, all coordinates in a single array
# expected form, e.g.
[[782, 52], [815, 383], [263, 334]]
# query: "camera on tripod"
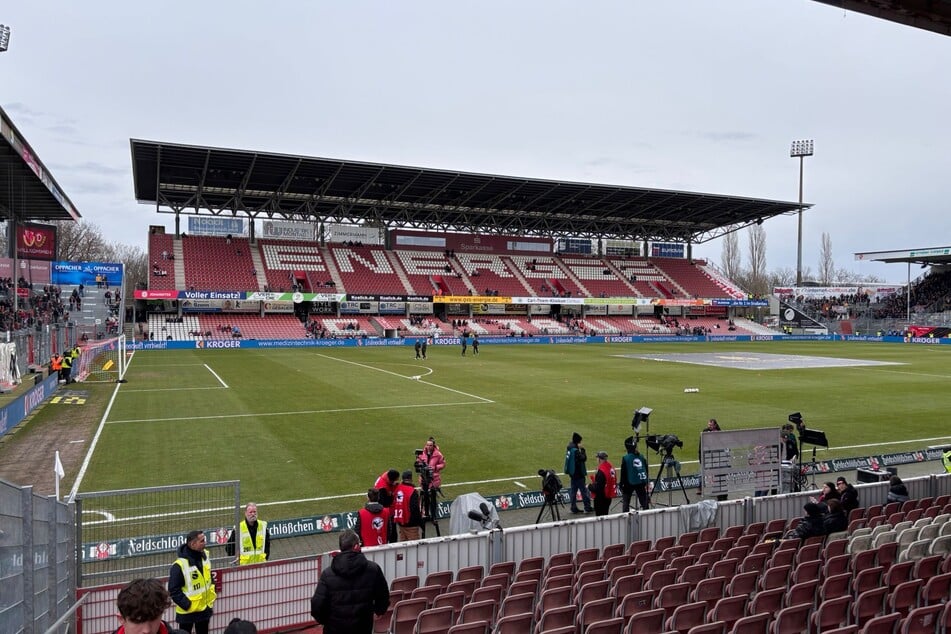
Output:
[[665, 443], [425, 472], [551, 483]]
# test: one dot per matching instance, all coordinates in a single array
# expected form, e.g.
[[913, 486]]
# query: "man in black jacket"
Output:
[[190, 585], [350, 592], [848, 496]]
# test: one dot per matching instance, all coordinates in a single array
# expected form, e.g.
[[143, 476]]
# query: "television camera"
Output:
[[428, 493], [551, 486], [425, 472], [665, 443]]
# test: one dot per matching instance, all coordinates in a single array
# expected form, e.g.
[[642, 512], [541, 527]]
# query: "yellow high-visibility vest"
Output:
[[198, 586], [252, 552]]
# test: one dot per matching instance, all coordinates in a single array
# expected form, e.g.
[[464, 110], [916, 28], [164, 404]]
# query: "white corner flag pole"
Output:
[[59, 471]]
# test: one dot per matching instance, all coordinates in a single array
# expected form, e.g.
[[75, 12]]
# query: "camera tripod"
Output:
[[551, 503], [427, 498], [671, 463]]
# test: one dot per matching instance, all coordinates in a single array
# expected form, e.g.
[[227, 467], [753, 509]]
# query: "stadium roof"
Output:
[[27, 189], [197, 180], [930, 15], [929, 256]]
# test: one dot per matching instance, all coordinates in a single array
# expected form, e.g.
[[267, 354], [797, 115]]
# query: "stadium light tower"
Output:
[[4, 37], [800, 149]]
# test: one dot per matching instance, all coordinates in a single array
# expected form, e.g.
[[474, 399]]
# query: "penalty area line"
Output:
[[442, 387], [341, 410], [215, 374]]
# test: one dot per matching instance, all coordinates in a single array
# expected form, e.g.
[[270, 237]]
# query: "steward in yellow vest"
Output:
[[190, 585], [253, 541], [946, 459]]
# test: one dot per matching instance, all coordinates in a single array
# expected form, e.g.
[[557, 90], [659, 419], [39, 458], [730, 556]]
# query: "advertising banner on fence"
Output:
[[216, 226]]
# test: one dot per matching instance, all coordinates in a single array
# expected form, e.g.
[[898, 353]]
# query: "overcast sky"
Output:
[[690, 95]]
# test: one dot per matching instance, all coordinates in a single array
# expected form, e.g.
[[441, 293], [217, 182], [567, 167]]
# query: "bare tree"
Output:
[[136, 262], [827, 272], [730, 258], [756, 273], [783, 276], [80, 242]]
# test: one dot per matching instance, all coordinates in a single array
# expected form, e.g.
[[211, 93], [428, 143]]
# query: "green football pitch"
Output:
[[308, 430]]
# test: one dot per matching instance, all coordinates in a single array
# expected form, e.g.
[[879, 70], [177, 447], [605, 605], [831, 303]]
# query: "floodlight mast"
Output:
[[4, 37], [800, 149]]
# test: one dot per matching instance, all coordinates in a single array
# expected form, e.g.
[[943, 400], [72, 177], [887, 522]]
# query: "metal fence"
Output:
[[275, 595], [125, 534], [37, 560]]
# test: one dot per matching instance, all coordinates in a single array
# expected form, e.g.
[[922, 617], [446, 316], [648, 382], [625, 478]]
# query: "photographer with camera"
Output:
[[604, 485], [634, 476], [575, 458]]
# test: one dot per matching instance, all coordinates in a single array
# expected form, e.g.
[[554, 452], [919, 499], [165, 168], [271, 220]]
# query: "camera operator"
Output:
[[407, 509], [575, 458], [712, 425], [604, 485], [634, 477], [432, 458], [789, 440]]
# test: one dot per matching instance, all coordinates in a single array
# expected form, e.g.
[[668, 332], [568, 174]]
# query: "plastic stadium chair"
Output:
[[552, 598], [470, 572], [926, 567], [523, 587], [923, 620], [503, 567], [489, 593], [904, 597], [584, 555], [693, 574], [686, 616], [792, 620], [775, 577], [937, 590], [886, 624], [439, 578], [767, 601], [531, 563], [465, 586], [476, 627], [835, 586], [454, 600], [635, 603], [709, 591], [594, 591], [868, 605], [478, 611], [898, 573], [559, 559], [669, 597], [405, 614], [514, 624], [831, 613], [729, 610], [803, 593], [714, 627], [649, 621], [427, 592], [517, 604], [626, 585], [638, 547], [743, 583], [606, 626], [434, 621], [558, 617], [806, 571], [613, 550], [594, 611], [755, 624], [407, 583]]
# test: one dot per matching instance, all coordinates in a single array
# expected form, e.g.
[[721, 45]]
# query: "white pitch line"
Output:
[[933, 376], [309, 411], [370, 367], [216, 375], [92, 445], [173, 389]]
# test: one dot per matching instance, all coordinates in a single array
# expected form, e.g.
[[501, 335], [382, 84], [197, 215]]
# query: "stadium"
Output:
[[278, 346]]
